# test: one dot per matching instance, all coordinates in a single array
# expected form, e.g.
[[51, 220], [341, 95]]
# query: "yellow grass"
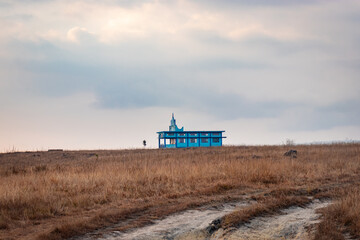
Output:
[[342, 217], [40, 187]]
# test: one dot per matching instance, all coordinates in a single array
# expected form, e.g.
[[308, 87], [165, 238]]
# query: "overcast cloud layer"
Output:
[[108, 74]]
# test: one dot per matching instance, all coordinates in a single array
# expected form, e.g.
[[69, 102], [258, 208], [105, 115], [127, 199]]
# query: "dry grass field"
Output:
[[57, 195], [341, 217]]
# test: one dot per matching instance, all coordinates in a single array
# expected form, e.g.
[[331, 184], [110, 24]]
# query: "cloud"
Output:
[[207, 83], [293, 64], [274, 3], [80, 35]]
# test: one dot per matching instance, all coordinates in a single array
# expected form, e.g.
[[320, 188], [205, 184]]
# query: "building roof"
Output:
[[173, 128], [191, 131]]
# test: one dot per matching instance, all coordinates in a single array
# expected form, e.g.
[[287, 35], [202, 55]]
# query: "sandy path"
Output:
[[292, 223], [175, 225]]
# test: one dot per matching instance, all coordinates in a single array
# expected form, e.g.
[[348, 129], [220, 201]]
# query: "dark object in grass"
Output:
[[291, 153], [214, 226]]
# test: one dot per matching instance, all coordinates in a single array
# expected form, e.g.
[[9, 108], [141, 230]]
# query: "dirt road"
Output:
[[291, 223]]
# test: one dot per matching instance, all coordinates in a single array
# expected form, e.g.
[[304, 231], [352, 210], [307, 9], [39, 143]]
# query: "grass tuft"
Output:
[[341, 217]]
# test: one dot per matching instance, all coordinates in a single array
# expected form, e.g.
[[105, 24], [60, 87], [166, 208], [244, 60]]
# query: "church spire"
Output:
[[173, 126]]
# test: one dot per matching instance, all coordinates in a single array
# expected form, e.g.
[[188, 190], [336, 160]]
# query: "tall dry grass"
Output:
[[342, 217], [37, 186]]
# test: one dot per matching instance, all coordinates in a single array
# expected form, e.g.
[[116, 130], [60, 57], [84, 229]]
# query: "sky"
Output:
[[108, 74]]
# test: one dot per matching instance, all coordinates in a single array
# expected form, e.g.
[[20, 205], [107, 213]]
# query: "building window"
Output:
[[193, 134], [181, 134], [216, 134], [193, 140], [216, 140], [204, 134], [173, 141], [181, 140], [170, 134], [204, 140]]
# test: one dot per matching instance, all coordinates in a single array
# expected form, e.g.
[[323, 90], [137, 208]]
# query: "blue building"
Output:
[[178, 138]]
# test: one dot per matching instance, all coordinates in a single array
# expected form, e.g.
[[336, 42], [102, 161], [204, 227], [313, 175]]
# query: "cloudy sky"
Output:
[[107, 74]]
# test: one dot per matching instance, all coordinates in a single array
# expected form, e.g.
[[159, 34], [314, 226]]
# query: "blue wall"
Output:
[[216, 144], [183, 139], [195, 144], [181, 144]]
